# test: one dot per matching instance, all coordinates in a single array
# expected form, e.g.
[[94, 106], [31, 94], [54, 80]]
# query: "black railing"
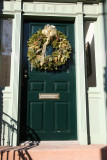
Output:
[[8, 131]]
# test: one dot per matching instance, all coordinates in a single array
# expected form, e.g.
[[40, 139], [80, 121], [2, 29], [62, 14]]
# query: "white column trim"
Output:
[[17, 50], [102, 71], [80, 81]]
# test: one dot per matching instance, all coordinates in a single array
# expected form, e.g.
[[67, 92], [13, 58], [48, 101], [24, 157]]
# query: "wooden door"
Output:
[[48, 119]]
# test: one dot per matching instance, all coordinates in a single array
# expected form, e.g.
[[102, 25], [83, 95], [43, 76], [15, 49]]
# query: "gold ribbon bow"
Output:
[[50, 31]]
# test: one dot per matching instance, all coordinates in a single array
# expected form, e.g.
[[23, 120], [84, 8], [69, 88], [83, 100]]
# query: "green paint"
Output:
[[49, 119]]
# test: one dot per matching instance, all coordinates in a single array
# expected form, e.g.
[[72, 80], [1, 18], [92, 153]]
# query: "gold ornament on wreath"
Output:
[[37, 48]]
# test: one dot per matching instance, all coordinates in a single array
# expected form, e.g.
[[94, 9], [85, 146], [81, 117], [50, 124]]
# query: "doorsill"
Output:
[[59, 142], [50, 143]]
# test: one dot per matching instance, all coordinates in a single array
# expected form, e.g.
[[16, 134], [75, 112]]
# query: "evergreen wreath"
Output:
[[37, 48]]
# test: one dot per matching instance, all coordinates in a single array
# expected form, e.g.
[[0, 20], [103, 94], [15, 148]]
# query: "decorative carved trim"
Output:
[[42, 8], [49, 8], [61, 9]]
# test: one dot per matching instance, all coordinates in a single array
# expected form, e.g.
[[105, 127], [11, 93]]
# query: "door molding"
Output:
[[80, 78], [80, 81]]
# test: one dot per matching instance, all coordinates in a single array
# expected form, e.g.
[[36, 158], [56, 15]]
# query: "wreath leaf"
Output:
[[58, 57]]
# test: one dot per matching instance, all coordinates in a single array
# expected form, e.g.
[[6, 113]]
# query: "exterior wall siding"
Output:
[[10, 96]]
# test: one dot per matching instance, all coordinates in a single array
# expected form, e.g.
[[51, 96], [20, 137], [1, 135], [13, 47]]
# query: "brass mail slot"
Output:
[[49, 96]]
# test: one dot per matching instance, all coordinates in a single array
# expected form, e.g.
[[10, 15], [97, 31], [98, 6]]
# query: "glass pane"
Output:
[[6, 50], [90, 53]]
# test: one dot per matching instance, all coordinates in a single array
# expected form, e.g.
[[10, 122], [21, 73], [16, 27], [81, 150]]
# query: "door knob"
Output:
[[25, 76]]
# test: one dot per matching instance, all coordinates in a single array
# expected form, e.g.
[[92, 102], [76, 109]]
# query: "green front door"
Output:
[[48, 119]]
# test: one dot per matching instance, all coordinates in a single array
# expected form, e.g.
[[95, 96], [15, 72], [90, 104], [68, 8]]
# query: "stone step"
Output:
[[54, 151]]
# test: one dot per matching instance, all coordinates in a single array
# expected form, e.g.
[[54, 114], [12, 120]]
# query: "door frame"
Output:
[[80, 78], [80, 69]]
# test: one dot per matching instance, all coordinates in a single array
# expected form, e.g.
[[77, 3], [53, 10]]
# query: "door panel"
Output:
[[48, 119]]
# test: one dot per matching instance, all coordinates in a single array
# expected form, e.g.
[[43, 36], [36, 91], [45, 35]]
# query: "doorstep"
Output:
[[54, 150]]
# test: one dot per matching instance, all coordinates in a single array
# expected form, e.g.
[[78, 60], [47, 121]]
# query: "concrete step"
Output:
[[54, 151]]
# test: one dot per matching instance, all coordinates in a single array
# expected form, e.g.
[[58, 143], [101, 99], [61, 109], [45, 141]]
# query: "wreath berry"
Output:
[[37, 48]]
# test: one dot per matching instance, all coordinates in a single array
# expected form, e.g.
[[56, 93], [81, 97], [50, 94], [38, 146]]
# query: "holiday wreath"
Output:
[[37, 48]]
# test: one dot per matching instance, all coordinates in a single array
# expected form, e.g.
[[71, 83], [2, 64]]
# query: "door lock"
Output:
[[25, 71], [25, 76]]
